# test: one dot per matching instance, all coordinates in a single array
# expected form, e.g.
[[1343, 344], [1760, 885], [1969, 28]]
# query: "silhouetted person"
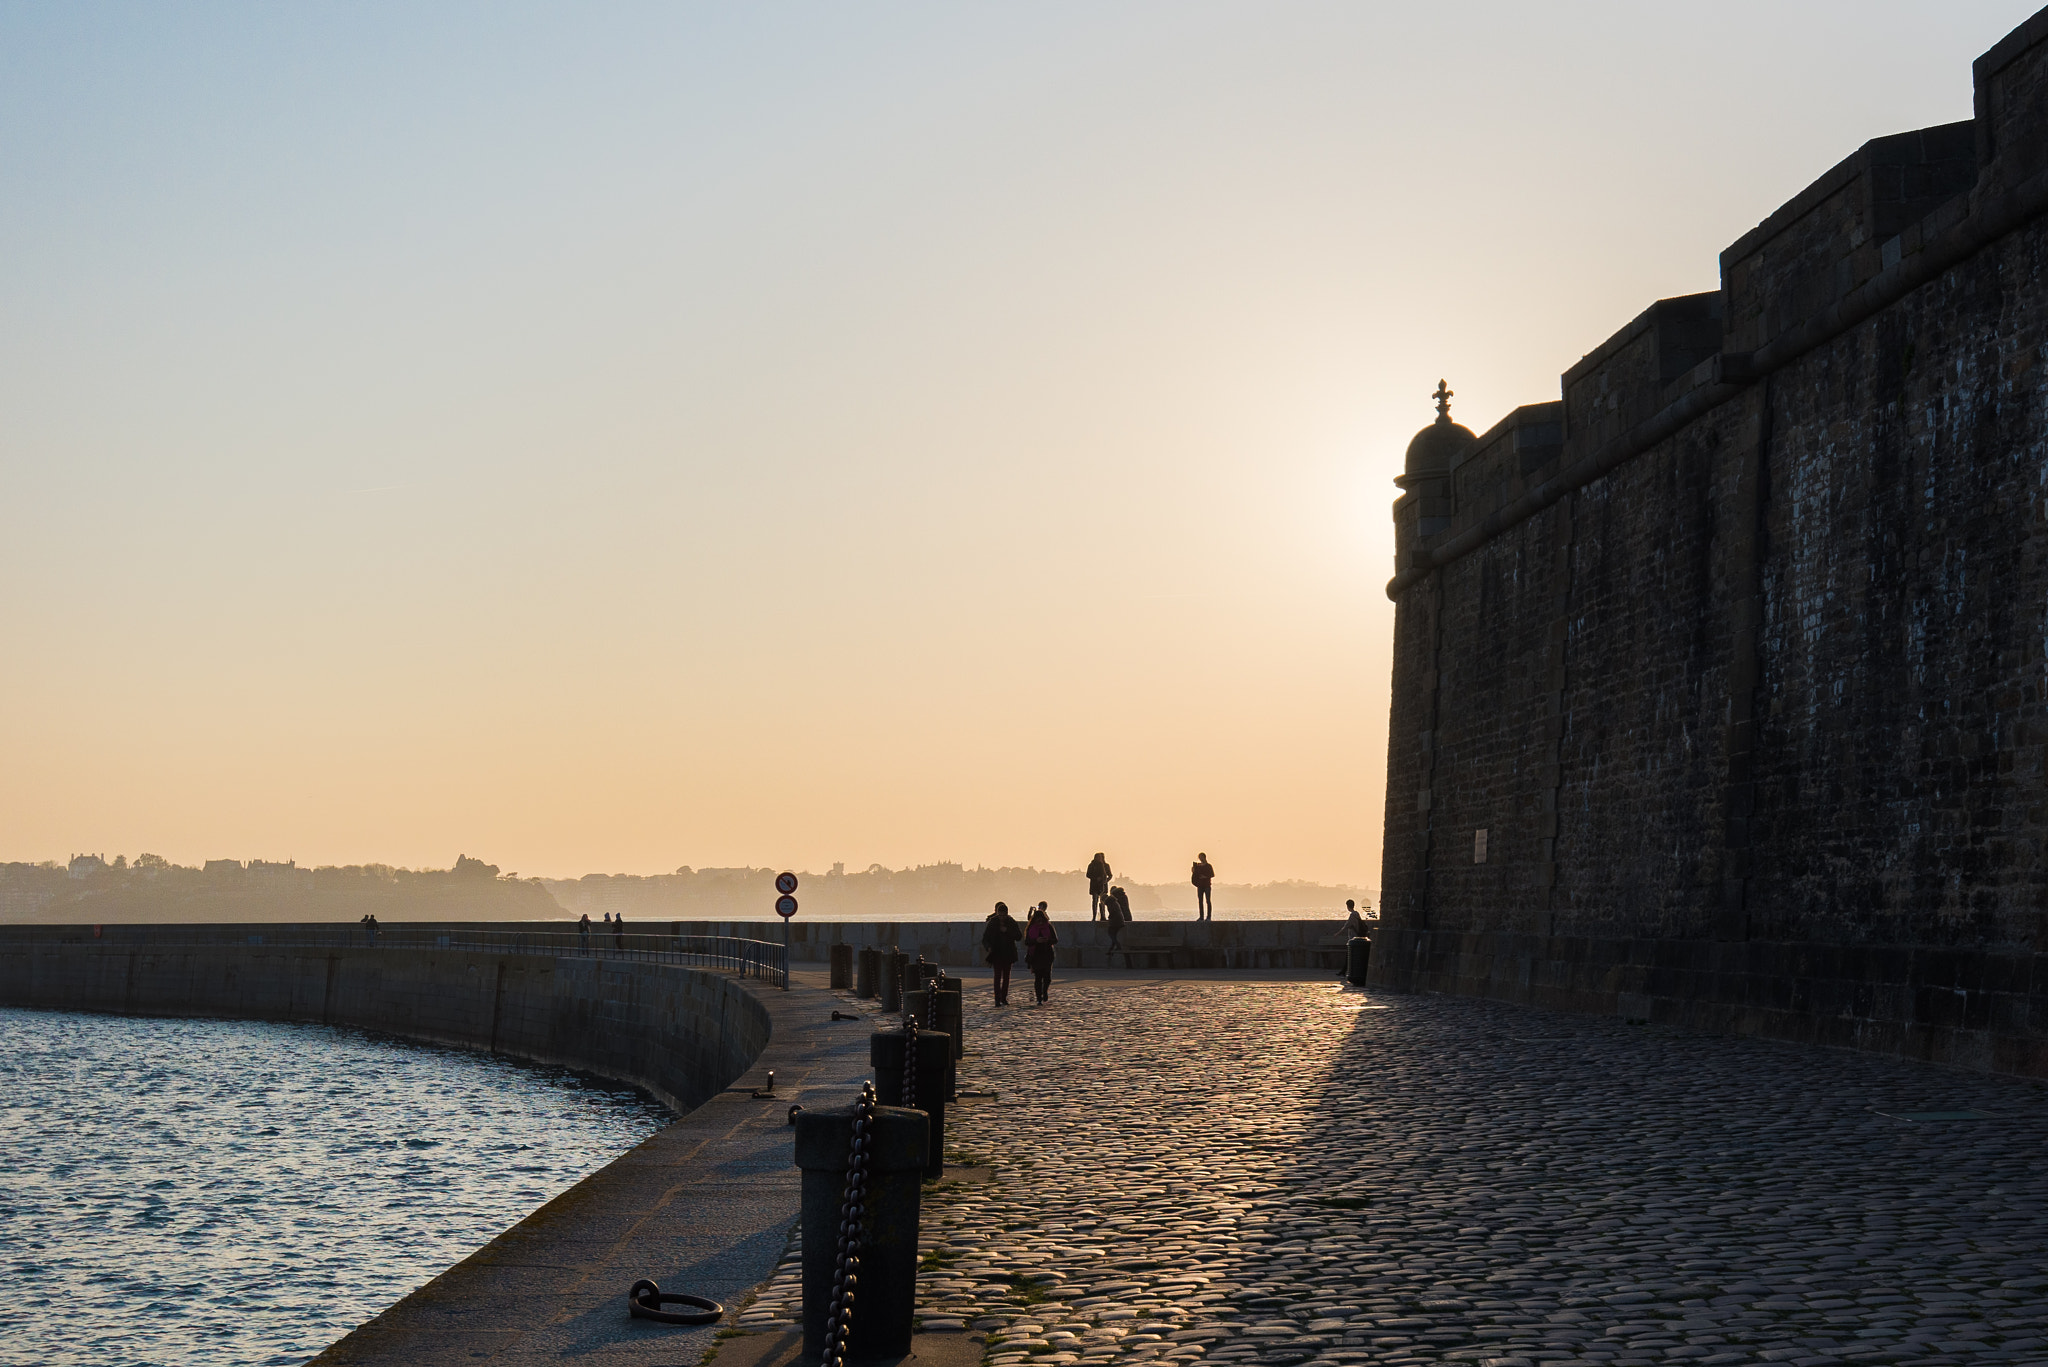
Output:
[[1119, 912], [999, 943], [619, 931], [1354, 924], [1201, 875], [583, 932], [1098, 885], [370, 929], [1039, 941]]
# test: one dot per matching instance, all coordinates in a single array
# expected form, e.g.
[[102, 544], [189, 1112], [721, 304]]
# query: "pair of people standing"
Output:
[[1000, 938], [1201, 873]]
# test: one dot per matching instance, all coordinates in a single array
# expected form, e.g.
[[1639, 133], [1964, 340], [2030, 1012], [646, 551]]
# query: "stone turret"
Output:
[[1436, 447]]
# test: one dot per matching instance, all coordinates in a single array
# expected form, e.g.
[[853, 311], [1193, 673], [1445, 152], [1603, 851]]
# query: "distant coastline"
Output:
[[928, 892], [90, 889]]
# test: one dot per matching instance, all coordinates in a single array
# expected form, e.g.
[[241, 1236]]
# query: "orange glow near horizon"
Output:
[[606, 442]]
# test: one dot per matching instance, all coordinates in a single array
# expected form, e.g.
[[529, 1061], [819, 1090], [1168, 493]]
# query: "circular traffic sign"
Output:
[[785, 905], [785, 883]]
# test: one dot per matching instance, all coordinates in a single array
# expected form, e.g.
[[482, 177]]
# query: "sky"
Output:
[[604, 438]]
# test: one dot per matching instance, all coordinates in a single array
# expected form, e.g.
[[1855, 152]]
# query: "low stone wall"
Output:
[[1083, 944], [1961, 1007], [681, 1034]]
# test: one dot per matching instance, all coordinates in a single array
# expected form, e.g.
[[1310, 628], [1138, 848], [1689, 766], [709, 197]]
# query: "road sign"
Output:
[[785, 906], [785, 883]]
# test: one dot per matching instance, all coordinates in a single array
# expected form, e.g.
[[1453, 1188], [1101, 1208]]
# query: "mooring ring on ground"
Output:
[[645, 1301]]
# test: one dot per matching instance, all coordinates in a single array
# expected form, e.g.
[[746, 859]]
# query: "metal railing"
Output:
[[746, 958]]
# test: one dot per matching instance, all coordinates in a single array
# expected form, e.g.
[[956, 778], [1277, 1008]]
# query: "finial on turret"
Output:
[[1443, 401]]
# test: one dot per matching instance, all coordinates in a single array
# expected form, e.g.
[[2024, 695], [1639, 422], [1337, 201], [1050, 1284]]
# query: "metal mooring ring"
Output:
[[645, 1301]]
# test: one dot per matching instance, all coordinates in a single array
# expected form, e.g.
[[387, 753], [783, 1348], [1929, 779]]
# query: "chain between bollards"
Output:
[[839, 1322]]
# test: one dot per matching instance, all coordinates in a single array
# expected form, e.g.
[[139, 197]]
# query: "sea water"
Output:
[[228, 1192]]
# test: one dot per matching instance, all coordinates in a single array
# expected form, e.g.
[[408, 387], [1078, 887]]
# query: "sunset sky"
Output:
[[611, 437]]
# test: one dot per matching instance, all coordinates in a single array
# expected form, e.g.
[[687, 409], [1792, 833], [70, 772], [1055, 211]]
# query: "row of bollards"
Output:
[[864, 1165]]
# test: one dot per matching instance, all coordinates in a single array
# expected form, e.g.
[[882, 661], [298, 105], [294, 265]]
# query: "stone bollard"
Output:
[[886, 1294], [1358, 955], [949, 1018], [892, 980], [867, 978], [885, 1051], [914, 1003], [842, 966], [919, 974]]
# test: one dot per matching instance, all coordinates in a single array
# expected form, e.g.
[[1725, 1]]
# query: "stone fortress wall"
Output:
[[1738, 654]]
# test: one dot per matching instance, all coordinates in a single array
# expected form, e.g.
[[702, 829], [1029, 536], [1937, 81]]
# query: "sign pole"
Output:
[[785, 907]]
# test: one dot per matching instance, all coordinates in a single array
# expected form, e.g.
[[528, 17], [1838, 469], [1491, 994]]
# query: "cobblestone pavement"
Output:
[[1288, 1173]]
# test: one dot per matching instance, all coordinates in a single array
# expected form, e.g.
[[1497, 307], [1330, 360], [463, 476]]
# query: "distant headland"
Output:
[[92, 888]]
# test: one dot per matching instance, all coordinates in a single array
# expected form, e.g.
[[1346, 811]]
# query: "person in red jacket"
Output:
[[1039, 941], [1201, 875]]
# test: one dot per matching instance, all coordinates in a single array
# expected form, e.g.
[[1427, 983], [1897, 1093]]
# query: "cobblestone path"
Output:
[[1287, 1173]]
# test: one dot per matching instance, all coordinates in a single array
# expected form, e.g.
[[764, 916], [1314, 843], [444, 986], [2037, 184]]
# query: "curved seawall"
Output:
[[680, 1033]]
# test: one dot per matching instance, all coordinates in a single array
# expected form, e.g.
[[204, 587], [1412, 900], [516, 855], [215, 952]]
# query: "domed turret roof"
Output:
[[1436, 446]]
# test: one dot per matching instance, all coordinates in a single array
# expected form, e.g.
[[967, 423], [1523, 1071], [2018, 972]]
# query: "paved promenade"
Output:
[[1288, 1172]]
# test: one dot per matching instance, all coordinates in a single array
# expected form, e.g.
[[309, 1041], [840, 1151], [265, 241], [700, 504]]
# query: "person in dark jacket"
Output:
[[619, 931], [1119, 911], [1098, 886], [583, 933], [1354, 924], [1039, 941], [1201, 875], [999, 944]]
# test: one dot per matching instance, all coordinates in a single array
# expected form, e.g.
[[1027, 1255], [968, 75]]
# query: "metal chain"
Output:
[[839, 1320], [909, 1055]]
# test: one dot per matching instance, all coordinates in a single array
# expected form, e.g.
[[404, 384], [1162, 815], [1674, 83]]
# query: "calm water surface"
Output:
[[232, 1193]]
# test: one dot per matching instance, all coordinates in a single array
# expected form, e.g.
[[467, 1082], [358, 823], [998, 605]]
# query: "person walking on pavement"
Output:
[[999, 944], [1201, 875], [1098, 886], [1039, 940]]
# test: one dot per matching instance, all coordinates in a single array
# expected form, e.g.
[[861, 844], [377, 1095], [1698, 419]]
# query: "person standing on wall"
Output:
[[1039, 941], [1201, 875], [1098, 886], [999, 945]]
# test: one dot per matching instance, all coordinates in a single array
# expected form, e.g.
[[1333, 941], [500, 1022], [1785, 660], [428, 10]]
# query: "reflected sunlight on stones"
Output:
[[1269, 1174]]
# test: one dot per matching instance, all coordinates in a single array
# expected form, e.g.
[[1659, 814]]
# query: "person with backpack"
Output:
[[1119, 911], [1039, 941], [1201, 875], [999, 945]]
